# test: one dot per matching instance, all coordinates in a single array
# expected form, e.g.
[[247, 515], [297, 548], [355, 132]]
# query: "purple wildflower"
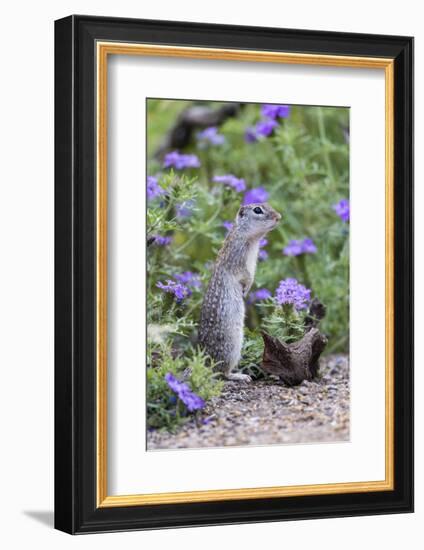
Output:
[[185, 209], [342, 209], [180, 161], [260, 294], [228, 225], [189, 278], [295, 247], [265, 127], [274, 111], [162, 241], [258, 194], [153, 188], [290, 291], [191, 400], [210, 135], [232, 181], [175, 385], [308, 246], [179, 290], [250, 135]]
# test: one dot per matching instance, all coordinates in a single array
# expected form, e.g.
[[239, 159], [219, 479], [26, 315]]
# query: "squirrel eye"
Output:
[[257, 210]]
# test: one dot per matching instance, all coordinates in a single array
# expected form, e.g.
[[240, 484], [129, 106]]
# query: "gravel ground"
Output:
[[268, 412]]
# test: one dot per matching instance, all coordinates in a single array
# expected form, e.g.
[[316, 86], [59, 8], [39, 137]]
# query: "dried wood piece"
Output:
[[293, 363], [194, 118], [296, 362]]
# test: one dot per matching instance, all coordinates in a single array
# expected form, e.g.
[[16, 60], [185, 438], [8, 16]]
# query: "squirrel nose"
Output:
[[277, 216]]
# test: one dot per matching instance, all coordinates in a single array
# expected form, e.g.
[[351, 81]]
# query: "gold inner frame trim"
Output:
[[103, 50]]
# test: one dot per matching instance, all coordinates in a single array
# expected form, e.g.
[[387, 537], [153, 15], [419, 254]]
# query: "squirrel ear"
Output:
[[242, 211]]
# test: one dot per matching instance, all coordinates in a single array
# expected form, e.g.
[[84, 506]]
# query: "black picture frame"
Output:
[[76, 510]]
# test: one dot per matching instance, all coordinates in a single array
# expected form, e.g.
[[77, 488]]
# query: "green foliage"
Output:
[[304, 166], [164, 409]]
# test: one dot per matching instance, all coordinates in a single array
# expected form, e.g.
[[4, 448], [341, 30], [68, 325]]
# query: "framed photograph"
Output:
[[234, 274]]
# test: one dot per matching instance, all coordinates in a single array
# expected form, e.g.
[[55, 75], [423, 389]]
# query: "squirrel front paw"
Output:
[[246, 284]]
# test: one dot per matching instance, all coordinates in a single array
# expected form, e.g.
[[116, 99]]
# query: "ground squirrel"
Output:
[[222, 314]]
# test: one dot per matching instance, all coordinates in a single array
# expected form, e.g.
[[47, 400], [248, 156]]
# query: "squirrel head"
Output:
[[255, 220]]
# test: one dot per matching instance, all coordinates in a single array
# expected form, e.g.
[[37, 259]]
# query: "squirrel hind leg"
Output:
[[232, 359], [235, 376]]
